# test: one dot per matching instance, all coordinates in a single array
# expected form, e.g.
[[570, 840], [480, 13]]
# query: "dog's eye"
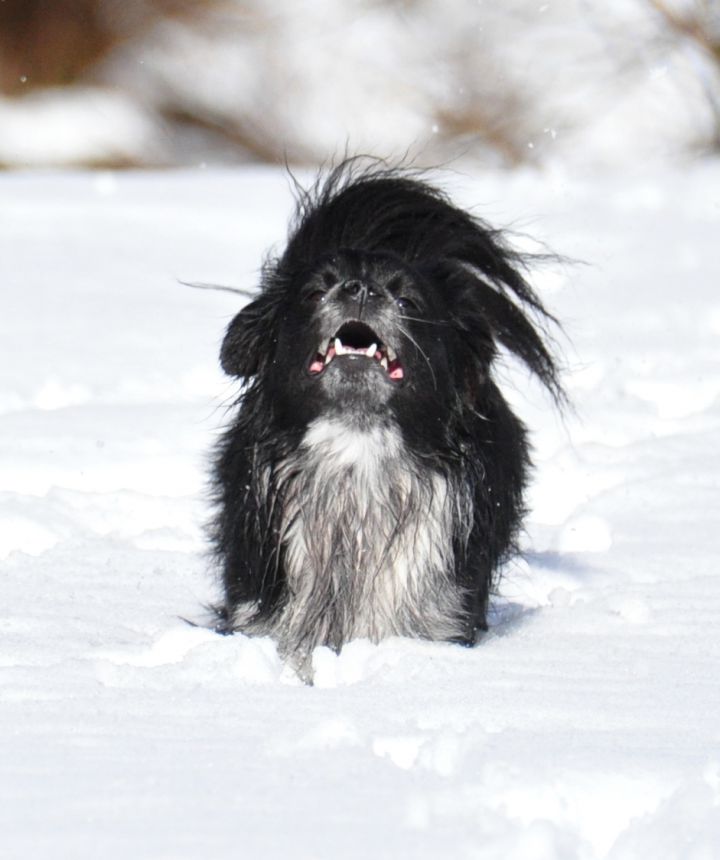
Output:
[[405, 304], [315, 296]]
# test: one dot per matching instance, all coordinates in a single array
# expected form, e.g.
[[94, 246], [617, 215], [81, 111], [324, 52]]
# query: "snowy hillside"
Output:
[[585, 725]]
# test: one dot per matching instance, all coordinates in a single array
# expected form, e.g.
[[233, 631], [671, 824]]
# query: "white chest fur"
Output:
[[367, 540]]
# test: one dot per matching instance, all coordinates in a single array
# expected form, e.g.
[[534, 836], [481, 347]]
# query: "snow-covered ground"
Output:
[[585, 725]]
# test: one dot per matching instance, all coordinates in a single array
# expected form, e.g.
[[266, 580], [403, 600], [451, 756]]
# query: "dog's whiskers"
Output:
[[222, 288], [426, 322], [407, 334]]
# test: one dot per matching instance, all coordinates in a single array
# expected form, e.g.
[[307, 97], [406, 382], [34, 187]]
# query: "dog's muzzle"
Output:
[[357, 341]]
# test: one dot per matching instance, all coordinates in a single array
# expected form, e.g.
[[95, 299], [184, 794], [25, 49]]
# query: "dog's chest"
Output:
[[367, 536]]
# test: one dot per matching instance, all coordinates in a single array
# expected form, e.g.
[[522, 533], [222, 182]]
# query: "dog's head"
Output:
[[362, 333], [387, 300]]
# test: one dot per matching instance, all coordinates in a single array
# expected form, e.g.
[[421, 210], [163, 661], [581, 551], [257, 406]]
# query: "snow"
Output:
[[584, 725], [75, 125]]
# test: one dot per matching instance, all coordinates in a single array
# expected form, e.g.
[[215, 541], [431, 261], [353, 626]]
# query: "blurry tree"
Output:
[[56, 42], [152, 82], [697, 25], [48, 42]]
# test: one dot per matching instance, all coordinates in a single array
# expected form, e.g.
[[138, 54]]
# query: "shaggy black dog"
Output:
[[371, 481]]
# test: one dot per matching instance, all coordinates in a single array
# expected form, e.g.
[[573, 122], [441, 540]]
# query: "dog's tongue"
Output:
[[395, 370], [316, 366]]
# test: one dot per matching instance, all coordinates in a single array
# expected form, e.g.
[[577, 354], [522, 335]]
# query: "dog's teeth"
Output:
[[391, 354], [371, 350], [384, 362], [328, 357], [339, 348]]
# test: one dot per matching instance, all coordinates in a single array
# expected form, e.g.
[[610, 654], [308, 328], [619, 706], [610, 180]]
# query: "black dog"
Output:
[[372, 479]]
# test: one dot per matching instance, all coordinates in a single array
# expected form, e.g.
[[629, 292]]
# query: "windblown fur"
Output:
[[371, 480]]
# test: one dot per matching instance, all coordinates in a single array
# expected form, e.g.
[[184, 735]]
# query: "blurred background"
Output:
[[153, 83]]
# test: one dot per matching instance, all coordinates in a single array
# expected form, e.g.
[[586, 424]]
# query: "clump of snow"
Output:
[[75, 125], [584, 725]]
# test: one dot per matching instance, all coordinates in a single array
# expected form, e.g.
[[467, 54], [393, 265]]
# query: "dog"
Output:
[[370, 483]]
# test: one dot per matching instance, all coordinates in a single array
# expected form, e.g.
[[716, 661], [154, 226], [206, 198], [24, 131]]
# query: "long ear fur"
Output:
[[244, 347], [386, 210]]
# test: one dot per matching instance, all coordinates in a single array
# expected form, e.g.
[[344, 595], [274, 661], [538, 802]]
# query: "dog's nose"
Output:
[[356, 290]]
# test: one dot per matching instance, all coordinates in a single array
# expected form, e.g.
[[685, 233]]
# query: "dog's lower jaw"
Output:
[[367, 538]]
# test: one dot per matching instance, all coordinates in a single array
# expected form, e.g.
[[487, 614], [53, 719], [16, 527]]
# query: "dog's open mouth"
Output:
[[356, 340]]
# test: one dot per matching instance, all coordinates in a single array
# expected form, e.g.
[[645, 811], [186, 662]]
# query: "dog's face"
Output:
[[366, 334], [361, 334]]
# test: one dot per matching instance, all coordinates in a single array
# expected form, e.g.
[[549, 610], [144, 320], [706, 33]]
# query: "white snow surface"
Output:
[[585, 724]]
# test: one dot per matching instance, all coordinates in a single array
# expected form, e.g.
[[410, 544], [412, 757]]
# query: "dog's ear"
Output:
[[245, 338], [496, 306]]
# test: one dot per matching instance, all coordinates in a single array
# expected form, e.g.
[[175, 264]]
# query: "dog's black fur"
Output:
[[366, 495]]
